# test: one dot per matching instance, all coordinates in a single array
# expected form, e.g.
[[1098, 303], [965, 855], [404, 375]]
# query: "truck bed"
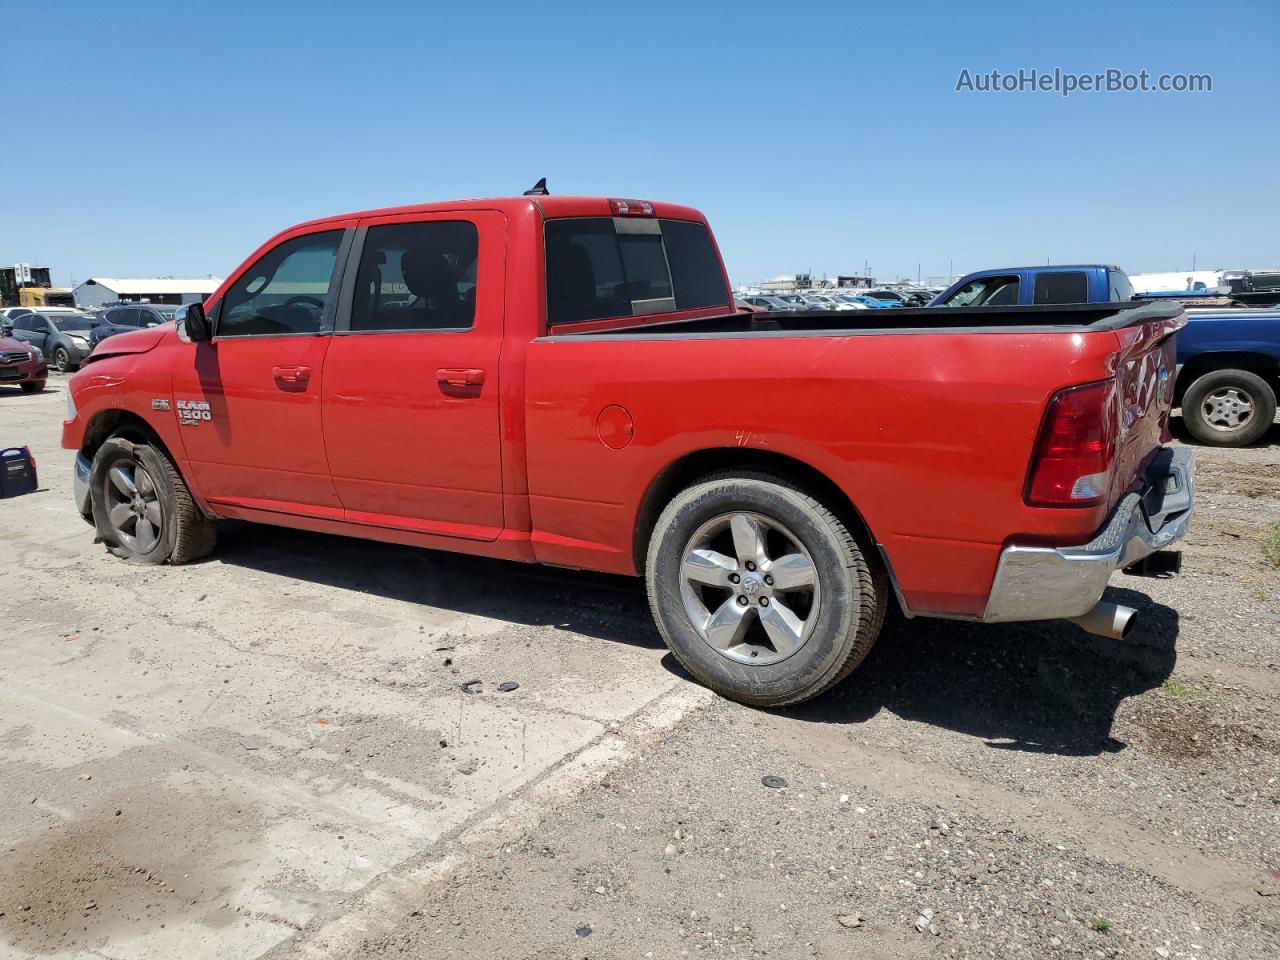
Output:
[[1062, 318]]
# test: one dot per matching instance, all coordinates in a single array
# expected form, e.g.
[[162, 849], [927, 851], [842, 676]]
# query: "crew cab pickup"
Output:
[[565, 380], [1228, 370], [1059, 283]]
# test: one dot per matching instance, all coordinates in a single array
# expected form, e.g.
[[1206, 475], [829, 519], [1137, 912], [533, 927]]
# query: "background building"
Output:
[[96, 291], [786, 283]]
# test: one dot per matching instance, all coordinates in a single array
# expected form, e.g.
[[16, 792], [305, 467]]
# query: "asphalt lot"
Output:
[[267, 753]]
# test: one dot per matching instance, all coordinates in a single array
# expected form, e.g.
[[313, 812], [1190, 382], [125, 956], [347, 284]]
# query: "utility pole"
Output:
[[1193, 263], [917, 274]]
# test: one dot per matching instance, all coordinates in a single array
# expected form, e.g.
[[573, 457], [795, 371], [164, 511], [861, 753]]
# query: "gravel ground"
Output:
[[1012, 791]]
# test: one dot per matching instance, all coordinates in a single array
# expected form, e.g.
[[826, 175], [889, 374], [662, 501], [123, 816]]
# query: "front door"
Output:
[[411, 378], [248, 402]]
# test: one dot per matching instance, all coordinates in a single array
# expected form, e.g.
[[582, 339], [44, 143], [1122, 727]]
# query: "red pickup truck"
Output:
[[565, 380]]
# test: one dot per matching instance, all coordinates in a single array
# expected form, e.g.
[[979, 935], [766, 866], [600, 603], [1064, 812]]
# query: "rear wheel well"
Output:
[[1268, 368], [692, 467]]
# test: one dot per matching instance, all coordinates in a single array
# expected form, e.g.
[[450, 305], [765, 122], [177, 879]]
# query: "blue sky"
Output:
[[815, 136]]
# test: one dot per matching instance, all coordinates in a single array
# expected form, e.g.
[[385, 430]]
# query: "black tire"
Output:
[[61, 360], [853, 590], [1249, 385], [33, 386], [185, 533]]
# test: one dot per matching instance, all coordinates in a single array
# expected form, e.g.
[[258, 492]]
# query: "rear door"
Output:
[[248, 401], [411, 415]]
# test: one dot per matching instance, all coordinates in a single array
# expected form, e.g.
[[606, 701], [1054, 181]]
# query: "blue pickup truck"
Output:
[[1228, 373]]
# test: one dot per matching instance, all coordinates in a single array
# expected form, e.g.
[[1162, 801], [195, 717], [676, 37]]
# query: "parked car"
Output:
[[794, 301], [1229, 374], [773, 303], [1027, 286], [126, 317], [866, 299], [851, 301], [881, 294], [747, 307], [773, 485], [61, 333], [21, 364], [821, 301]]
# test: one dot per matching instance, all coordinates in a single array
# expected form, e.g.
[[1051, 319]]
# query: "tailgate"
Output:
[[1144, 367]]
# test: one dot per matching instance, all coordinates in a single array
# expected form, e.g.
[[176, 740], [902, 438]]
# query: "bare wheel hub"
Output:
[[750, 588]]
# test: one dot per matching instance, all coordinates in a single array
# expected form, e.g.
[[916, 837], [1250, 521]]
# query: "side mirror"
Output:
[[6, 330], [193, 325]]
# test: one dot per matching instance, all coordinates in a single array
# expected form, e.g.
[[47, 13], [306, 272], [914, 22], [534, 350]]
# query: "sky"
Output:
[[163, 139]]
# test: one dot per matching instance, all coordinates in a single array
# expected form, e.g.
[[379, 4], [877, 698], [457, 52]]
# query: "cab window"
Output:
[[286, 292], [986, 292], [417, 276], [1067, 286]]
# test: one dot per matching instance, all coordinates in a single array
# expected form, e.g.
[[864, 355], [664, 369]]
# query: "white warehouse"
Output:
[[96, 291]]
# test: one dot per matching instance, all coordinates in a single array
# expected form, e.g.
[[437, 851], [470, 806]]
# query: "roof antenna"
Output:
[[539, 189]]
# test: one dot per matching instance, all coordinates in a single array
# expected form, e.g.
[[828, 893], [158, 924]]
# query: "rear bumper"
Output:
[[1045, 583]]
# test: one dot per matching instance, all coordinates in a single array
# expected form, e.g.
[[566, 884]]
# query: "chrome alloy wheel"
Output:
[[749, 588], [133, 507], [1228, 408]]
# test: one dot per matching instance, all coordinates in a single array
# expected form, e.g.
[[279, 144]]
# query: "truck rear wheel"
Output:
[[1228, 408], [760, 591], [142, 508]]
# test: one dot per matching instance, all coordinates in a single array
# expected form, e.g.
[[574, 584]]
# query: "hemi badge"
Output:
[[159, 404]]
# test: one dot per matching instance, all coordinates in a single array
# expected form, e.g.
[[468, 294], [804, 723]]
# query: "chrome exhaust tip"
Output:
[[1108, 620]]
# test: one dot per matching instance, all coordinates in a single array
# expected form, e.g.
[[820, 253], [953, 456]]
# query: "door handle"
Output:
[[460, 377], [291, 375]]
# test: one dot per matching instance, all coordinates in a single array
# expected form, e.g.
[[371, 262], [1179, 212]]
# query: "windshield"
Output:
[[69, 321], [791, 298]]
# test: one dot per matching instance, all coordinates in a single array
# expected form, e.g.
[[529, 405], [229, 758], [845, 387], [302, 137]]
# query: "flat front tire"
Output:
[[142, 508], [760, 591]]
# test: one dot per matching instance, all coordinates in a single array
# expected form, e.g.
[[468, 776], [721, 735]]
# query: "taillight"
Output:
[[1072, 462], [631, 208]]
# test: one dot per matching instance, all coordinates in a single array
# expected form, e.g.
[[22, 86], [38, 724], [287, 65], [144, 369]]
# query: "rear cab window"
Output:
[[603, 268], [1066, 286]]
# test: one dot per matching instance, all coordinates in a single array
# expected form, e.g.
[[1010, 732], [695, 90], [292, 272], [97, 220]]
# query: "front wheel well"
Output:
[[692, 467], [118, 423]]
